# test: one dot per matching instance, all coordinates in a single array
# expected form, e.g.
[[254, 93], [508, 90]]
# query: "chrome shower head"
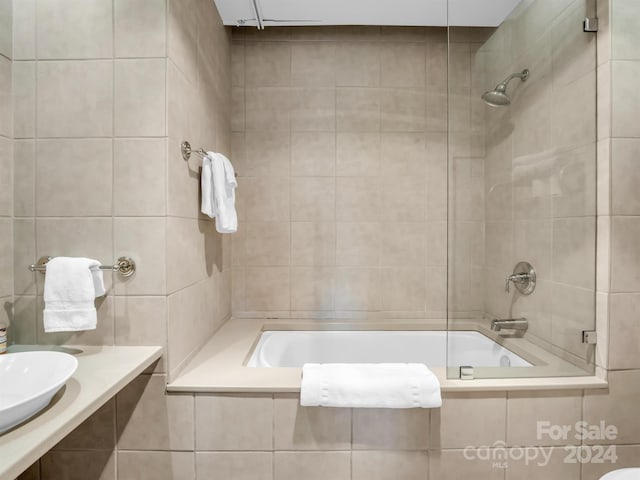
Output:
[[498, 96]]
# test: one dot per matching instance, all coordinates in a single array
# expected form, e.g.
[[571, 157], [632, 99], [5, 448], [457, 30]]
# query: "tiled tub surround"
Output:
[[220, 366], [270, 436]]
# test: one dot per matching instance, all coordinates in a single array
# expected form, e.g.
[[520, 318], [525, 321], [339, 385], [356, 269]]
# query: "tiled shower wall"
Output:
[[6, 163], [100, 112], [339, 139], [540, 171]]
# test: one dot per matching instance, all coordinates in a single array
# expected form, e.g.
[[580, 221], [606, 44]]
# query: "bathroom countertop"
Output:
[[220, 365], [102, 372]]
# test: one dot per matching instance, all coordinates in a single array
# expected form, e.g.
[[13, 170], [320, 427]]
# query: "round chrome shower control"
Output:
[[523, 277]]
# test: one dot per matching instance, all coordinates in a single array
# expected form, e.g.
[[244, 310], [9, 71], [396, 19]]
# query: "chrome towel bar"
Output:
[[125, 266]]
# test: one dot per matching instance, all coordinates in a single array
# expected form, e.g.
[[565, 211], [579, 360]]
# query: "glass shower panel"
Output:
[[522, 193]]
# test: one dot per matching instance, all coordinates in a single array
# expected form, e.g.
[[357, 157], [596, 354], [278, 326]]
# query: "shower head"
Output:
[[498, 96]]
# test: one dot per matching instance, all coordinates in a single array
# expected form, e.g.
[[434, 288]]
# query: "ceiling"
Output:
[[476, 13]]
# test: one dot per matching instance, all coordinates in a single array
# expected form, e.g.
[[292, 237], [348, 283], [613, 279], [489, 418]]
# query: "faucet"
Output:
[[520, 324], [517, 278]]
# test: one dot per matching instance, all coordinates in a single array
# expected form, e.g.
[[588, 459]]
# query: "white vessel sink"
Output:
[[28, 382]]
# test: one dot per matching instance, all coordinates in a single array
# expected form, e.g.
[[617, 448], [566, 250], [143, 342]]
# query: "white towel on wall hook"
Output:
[[218, 185]]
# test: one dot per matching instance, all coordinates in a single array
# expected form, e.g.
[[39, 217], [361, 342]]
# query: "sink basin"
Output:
[[28, 382]]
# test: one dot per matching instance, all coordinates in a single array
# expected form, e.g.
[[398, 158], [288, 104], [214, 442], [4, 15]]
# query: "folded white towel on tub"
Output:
[[363, 385]]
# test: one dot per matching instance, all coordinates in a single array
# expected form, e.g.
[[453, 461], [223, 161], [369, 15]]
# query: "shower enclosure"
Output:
[[522, 188]]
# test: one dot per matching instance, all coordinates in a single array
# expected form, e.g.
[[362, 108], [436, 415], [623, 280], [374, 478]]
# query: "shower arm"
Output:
[[521, 75]]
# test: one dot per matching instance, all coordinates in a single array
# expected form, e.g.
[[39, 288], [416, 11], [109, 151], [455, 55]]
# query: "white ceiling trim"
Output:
[[436, 13]]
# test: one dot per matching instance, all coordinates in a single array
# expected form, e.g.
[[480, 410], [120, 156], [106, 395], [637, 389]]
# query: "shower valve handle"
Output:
[[523, 278], [516, 278]]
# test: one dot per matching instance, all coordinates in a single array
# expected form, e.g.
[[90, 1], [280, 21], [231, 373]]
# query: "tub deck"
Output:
[[220, 366]]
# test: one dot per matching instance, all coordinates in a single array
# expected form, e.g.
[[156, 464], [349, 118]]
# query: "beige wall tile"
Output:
[[6, 35], [144, 240], [91, 37], [24, 29], [6, 257], [262, 244], [186, 263], [312, 465], [625, 200], [75, 98], [624, 101], [313, 64], [313, 243], [358, 154], [24, 99], [201, 303], [24, 171], [358, 288], [573, 255], [454, 426], [357, 109], [378, 429], [403, 65], [76, 237], [526, 411], [403, 154], [403, 289], [313, 109], [357, 65], [402, 110], [313, 199], [237, 64], [24, 254], [615, 407], [267, 64], [359, 199], [310, 428], [453, 465], [313, 154], [141, 321], [383, 465], [182, 30], [139, 102], [140, 28], [572, 310], [262, 199], [266, 109], [267, 288], [230, 422], [266, 154], [236, 465], [95, 433], [625, 254], [6, 177], [59, 465], [23, 326], [405, 202], [156, 465], [624, 30], [358, 243], [6, 117], [312, 288], [623, 331], [538, 468], [150, 419], [88, 191], [139, 177]]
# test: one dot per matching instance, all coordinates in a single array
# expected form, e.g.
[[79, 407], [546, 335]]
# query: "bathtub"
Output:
[[295, 348]]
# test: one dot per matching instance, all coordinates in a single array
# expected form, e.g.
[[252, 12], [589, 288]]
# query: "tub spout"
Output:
[[520, 324]]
